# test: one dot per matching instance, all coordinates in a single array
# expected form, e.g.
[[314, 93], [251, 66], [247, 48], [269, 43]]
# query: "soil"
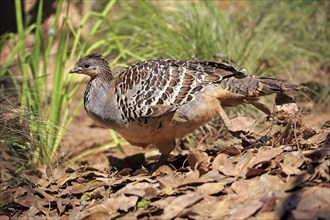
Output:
[[278, 169]]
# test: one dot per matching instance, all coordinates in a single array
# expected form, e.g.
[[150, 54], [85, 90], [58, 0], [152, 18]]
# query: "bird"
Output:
[[154, 102]]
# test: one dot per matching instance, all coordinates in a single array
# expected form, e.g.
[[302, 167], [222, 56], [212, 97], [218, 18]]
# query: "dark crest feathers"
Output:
[[99, 57]]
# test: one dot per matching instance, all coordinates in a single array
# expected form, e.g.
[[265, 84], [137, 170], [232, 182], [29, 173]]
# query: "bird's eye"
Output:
[[86, 66]]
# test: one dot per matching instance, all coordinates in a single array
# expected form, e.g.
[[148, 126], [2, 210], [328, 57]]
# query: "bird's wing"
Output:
[[156, 87]]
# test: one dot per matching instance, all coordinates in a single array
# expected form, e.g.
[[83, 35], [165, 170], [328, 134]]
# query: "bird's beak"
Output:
[[76, 69]]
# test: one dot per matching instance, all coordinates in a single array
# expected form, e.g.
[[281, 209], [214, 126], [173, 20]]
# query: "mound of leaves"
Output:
[[279, 172]]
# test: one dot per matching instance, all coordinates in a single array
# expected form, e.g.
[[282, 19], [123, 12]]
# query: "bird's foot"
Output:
[[161, 161]]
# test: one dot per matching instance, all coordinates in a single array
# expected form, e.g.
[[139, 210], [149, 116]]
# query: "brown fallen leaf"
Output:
[[199, 160], [323, 169], [242, 123], [266, 215], [318, 138], [162, 203], [252, 172], [220, 159], [211, 188], [29, 214], [288, 170], [179, 203], [201, 209], [100, 212], [6, 197], [150, 193], [231, 150], [67, 177], [215, 176], [135, 189], [294, 181], [245, 163], [190, 178], [141, 171], [265, 154], [225, 165], [164, 169], [293, 159], [60, 206], [55, 173], [269, 202], [42, 192], [291, 162], [229, 170], [124, 172], [286, 104], [246, 210], [314, 204], [121, 202], [220, 210], [27, 199], [81, 188]]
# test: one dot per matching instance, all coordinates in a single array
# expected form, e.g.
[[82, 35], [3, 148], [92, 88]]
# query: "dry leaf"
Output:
[[286, 104], [180, 203], [199, 160], [319, 138], [242, 123], [245, 211], [293, 159], [225, 165], [220, 210], [314, 204], [231, 150], [67, 177], [211, 188], [220, 159], [288, 170], [265, 154], [121, 202], [245, 163], [291, 162], [294, 181], [135, 189], [266, 215], [164, 169]]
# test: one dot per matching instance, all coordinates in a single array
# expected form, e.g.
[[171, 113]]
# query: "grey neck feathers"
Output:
[[104, 73], [99, 100], [97, 91], [100, 85]]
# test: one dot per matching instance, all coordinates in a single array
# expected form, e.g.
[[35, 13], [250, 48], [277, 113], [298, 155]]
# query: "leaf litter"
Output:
[[280, 173]]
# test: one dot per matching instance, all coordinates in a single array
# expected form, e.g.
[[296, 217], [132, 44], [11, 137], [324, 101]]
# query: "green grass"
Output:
[[277, 32], [46, 111]]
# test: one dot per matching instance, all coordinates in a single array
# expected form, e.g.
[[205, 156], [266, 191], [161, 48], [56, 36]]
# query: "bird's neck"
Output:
[[100, 84], [105, 74], [96, 94]]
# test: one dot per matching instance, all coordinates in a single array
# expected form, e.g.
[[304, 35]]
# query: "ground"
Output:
[[277, 169]]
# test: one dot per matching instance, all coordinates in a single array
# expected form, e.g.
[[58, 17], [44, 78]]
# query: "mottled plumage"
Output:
[[156, 101]]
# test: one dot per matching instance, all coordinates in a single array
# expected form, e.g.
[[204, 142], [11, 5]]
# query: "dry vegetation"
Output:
[[277, 169], [281, 172]]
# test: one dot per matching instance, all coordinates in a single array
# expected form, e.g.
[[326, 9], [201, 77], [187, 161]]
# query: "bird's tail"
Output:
[[250, 88], [268, 85]]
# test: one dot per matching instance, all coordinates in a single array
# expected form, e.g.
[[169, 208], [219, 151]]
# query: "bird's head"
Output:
[[93, 65]]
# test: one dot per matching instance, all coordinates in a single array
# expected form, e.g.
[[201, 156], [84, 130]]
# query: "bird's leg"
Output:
[[165, 147], [161, 161], [262, 107]]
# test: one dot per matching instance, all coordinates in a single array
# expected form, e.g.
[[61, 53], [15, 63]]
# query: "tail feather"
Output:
[[252, 87], [268, 85]]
